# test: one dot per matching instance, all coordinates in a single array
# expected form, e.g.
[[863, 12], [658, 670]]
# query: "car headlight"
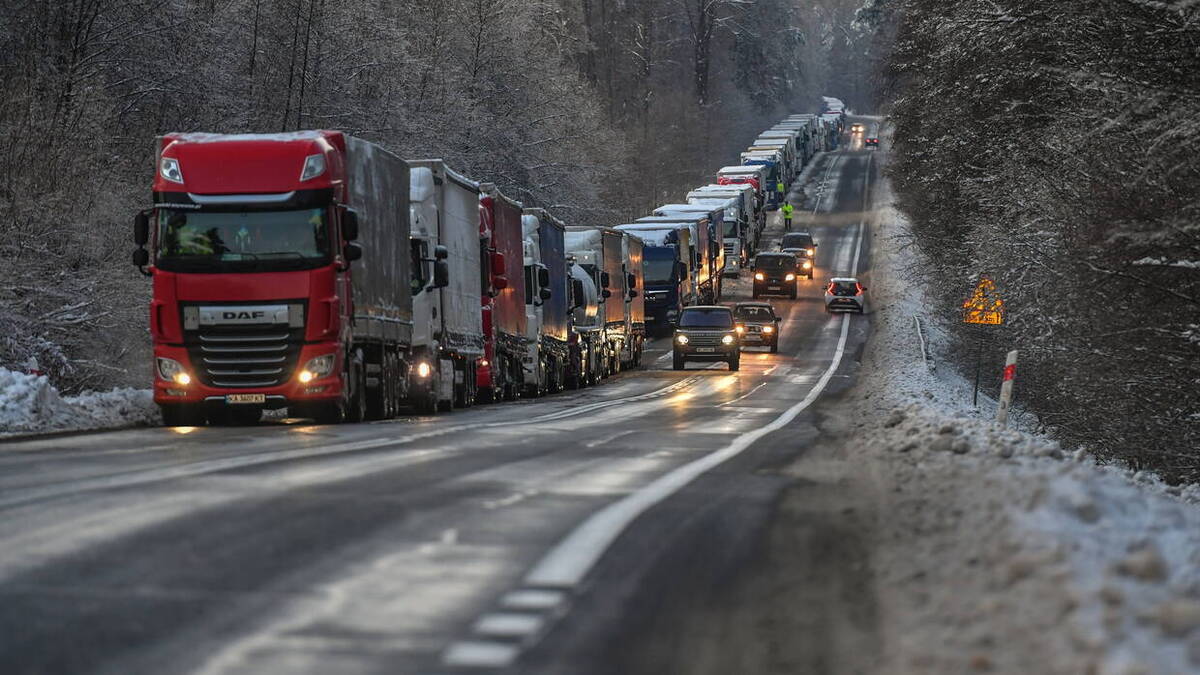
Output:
[[768, 329], [316, 368], [790, 277], [740, 329], [173, 371], [759, 276], [727, 340], [812, 252], [681, 339], [424, 369], [807, 265]]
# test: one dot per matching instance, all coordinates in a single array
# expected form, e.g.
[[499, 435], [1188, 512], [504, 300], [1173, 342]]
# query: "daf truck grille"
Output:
[[245, 356]]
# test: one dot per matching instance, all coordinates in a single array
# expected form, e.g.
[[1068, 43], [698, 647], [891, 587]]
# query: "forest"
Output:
[[595, 109], [1052, 147]]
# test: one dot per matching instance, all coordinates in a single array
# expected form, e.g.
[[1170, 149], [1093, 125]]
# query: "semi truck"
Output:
[[725, 214], [547, 305], [741, 226], [282, 278], [599, 251], [770, 161], [633, 257], [448, 326], [588, 346], [755, 176], [500, 375], [666, 273], [708, 264]]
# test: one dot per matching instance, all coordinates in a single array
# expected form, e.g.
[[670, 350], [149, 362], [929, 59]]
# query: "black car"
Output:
[[757, 324], [706, 333], [775, 274], [802, 240]]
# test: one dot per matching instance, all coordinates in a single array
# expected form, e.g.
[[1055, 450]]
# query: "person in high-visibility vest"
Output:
[[787, 209], [781, 189]]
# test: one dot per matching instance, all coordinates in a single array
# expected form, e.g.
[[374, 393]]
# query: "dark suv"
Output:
[[706, 333], [757, 324], [775, 274]]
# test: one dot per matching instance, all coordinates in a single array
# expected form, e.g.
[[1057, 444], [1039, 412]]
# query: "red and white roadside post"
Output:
[[1006, 388]]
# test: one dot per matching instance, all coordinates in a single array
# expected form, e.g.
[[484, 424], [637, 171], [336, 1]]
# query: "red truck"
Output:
[[501, 375], [282, 277]]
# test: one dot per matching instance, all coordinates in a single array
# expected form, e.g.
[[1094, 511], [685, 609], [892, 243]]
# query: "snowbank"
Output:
[[29, 403], [1113, 555]]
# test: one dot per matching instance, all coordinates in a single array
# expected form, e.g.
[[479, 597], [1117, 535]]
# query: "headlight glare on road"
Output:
[[681, 339], [759, 276], [728, 340]]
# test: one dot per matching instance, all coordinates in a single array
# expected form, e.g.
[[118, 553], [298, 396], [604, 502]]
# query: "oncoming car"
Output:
[[757, 324], [856, 128], [706, 333], [775, 274], [845, 294]]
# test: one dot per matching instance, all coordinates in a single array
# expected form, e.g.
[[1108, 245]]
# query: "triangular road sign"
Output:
[[985, 305]]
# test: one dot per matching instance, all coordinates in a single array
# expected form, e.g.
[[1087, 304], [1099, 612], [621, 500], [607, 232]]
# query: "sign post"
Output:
[[985, 307], [1006, 389]]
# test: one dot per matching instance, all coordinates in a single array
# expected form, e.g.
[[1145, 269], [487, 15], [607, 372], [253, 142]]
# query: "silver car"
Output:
[[845, 294]]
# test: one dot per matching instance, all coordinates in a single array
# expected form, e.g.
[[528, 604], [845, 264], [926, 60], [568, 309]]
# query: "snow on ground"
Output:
[[1035, 552], [29, 404]]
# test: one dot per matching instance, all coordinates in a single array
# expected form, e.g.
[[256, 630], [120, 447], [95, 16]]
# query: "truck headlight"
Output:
[[807, 265], [424, 369], [727, 340], [316, 368], [681, 339], [173, 371], [790, 277], [169, 170]]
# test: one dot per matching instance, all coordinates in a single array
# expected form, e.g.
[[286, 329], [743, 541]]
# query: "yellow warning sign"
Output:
[[985, 305]]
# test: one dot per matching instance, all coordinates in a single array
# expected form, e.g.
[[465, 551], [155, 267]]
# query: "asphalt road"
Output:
[[535, 536]]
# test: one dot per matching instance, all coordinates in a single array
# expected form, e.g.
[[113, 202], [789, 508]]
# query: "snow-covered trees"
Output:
[[596, 109], [1053, 147]]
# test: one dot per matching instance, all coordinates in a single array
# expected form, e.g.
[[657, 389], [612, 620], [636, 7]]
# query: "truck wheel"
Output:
[[182, 415], [735, 363], [677, 360]]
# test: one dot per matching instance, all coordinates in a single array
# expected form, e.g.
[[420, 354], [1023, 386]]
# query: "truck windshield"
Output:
[[716, 318], [731, 229], [658, 264], [243, 240]]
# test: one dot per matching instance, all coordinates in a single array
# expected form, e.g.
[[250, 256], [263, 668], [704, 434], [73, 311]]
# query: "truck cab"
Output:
[[666, 282]]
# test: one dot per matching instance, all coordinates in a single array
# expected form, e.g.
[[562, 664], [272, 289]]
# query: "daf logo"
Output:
[[256, 314]]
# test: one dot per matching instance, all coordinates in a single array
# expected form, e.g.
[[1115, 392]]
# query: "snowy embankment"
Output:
[[1024, 552], [30, 404]]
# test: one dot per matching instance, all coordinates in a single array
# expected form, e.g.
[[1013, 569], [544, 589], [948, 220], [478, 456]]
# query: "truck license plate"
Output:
[[246, 398], [705, 350]]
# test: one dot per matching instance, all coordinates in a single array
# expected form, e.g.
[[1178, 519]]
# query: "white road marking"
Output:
[[569, 562], [509, 625], [533, 600], [480, 654], [743, 396], [609, 439]]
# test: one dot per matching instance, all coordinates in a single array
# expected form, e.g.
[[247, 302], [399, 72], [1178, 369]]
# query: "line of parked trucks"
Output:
[[321, 273]]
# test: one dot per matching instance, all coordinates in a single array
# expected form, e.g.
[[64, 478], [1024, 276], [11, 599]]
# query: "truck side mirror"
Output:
[[441, 274], [350, 226], [440, 252], [578, 293], [141, 229], [352, 252], [545, 294], [498, 266], [543, 278], [500, 283], [633, 293], [604, 281], [630, 280], [141, 257], [681, 269], [606, 293]]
